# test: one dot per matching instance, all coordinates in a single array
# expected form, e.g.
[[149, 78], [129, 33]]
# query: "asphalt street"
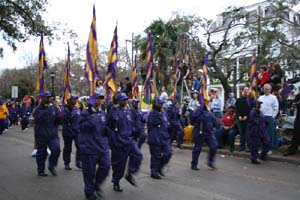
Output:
[[235, 179]]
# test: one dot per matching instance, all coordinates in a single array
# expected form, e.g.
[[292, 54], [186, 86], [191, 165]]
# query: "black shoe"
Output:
[[53, 171], [263, 157], [179, 146], [195, 168], [92, 197], [160, 172], [242, 149], [231, 150], [117, 188], [256, 162], [42, 174], [211, 165], [130, 179], [288, 153], [78, 165], [156, 176], [99, 192], [67, 167]]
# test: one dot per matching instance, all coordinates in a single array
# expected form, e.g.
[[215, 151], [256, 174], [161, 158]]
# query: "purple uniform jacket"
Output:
[[47, 120], [256, 123], [173, 115], [158, 128], [70, 122], [203, 121], [121, 124], [92, 137]]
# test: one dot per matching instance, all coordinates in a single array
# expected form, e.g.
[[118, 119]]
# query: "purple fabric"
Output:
[[95, 169]]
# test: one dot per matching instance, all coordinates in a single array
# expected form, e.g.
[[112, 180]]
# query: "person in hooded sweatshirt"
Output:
[[204, 122], [70, 131], [158, 139], [122, 143], [94, 148], [47, 118]]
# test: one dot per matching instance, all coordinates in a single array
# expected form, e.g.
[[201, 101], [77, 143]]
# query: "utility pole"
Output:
[[258, 37]]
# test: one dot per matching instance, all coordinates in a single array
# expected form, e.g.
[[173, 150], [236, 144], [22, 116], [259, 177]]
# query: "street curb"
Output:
[[246, 155]]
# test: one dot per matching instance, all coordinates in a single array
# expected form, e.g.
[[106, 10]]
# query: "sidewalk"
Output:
[[277, 155]]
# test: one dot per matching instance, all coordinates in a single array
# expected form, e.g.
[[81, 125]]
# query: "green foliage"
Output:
[[21, 19]]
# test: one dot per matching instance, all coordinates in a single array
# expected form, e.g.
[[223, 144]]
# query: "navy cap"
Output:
[[73, 97], [259, 102], [1, 101], [159, 100], [98, 96], [134, 101], [121, 96], [47, 94], [194, 91]]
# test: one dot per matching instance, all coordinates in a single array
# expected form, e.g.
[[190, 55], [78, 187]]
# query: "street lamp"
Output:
[[52, 74]]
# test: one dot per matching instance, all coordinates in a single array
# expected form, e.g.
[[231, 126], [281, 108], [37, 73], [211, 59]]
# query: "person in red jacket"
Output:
[[263, 77], [228, 128]]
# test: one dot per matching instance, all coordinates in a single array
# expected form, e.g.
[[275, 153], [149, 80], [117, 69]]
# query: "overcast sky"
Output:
[[133, 16]]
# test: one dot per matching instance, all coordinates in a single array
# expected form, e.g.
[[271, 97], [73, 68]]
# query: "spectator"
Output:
[[228, 128], [99, 87], [195, 83], [183, 74], [128, 87], [119, 86], [194, 103], [243, 108], [216, 105], [292, 149], [277, 78], [164, 94], [270, 108], [230, 101], [263, 77]]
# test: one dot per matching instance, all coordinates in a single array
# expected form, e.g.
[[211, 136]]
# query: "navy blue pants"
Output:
[[95, 169], [198, 143], [160, 156], [2, 125], [119, 156], [68, 149], [176, 133], [24, 123], [41, 153], [231, 136], [139, 138]]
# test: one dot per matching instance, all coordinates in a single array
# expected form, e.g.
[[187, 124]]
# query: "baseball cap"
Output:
[[121, 96]]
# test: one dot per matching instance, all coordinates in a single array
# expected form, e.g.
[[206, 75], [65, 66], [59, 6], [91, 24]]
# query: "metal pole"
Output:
[[132, 49], [53, 94], [258, 37]]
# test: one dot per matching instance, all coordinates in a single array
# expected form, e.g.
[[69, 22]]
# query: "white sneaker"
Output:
[[48, 151], [33, 154], [269, 153]]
